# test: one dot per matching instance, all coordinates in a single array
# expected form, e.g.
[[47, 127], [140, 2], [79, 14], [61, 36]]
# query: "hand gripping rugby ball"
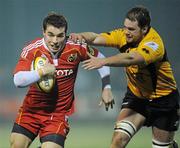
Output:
[[46, 83]]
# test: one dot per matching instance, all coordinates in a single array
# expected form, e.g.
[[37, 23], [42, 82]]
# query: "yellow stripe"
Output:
[[19, 119]]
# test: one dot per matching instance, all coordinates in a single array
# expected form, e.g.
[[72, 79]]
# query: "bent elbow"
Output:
[[18, 81]]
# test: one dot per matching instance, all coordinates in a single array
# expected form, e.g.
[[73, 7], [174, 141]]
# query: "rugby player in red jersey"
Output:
[[45, 114]]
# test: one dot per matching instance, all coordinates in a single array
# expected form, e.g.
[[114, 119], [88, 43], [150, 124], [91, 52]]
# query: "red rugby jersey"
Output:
[[61, 99]]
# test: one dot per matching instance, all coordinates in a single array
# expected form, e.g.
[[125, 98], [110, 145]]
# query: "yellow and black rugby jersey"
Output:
[[153, 80]]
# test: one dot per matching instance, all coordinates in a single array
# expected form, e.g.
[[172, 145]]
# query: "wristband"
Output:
[[106, 82]]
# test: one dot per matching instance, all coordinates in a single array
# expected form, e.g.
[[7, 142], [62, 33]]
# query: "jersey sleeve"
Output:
[[114, 38], [152, 51], [24, 62]]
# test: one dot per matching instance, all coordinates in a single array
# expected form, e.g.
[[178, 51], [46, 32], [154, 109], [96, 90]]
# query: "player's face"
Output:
[[134, 33], [54, 38]]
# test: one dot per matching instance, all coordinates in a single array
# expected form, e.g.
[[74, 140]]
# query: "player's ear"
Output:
[[145, 29]]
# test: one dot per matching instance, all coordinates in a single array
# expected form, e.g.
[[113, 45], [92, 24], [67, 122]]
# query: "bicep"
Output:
[[136, 58], [25, 78], [99, 40], [23, 65]]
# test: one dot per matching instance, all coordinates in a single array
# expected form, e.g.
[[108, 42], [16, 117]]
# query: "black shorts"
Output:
[[162, 112]]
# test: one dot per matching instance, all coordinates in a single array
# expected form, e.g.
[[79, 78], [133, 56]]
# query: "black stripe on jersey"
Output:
[[127, 46], [108, 33], [165, 58], [153, 73]]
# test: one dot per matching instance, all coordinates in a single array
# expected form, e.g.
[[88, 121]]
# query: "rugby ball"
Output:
[[46, 83]]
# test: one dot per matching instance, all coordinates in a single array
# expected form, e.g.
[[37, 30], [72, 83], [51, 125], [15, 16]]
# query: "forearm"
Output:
[[26, 78], [89, 36], [119, 60], [123, 60]]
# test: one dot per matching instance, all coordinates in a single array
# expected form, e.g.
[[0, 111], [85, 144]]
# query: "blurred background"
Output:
[[21, 22]]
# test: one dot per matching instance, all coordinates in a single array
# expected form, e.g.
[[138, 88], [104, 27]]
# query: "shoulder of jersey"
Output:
[[31, 47], [46, 83], [33, 43]]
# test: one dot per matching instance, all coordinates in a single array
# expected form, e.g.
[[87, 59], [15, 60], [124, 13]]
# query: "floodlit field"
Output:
[[89, 135]]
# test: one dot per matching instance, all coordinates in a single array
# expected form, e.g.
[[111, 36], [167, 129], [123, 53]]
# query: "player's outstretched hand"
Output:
[[107, 99], [93, 62]]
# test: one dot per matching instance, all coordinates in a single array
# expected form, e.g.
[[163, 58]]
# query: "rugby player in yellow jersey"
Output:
[[152, 97]]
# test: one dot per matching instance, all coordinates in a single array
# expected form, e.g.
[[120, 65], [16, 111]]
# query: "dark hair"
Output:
[[139, 14], [55, 20]]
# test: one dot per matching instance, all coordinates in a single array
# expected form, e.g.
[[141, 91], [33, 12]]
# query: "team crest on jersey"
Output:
[[91, 50], [72, 57], [152, 45]]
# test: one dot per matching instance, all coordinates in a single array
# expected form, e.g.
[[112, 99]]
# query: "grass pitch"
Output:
[[89, 135]]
